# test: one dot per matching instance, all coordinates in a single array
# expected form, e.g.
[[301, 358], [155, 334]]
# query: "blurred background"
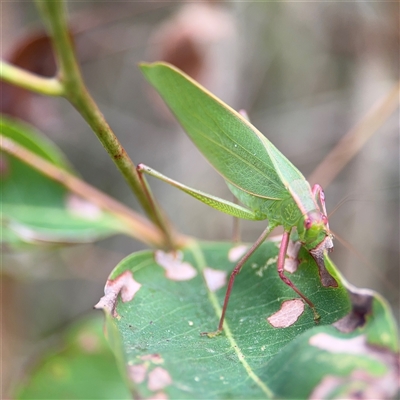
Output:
[[306, 73]]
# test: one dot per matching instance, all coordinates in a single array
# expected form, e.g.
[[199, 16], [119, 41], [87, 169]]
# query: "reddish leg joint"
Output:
[[285, 279]]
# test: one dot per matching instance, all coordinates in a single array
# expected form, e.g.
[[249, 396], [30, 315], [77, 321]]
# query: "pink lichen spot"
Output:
[[323, 341], [288, 314], [328, 385], [82, 208], [137, 373], [124, 285], [159, 396], [154, 358], [89, 342], [159, 378], [291, 261], [176, 269], [358, 385], [215, 278], [236, 252]]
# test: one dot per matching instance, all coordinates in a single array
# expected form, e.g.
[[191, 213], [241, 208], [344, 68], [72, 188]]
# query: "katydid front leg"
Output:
[[281, 271], [280, 266]]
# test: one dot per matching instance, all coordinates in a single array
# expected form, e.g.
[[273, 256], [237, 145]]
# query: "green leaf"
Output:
[[82, 367], [36, 209], [167, 301]]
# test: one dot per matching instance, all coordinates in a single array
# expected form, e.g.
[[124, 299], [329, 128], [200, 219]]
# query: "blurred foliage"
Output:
[[81, 367], [171, 300]]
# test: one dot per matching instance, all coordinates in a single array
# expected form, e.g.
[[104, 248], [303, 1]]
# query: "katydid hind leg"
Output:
[[281, 271]]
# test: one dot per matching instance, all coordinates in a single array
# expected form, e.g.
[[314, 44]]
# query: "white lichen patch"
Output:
[[82, 208], [175, 268], [262, 269], [137, 373], [124, 285], [356, 345], [159, 378], [215, 278], [288, 314], [235, 253]]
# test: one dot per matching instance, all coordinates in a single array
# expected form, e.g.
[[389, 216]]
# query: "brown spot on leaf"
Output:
[[82, 208], [235, 253], [176, 269], [32, 53], [159, 378], [361, 301], [183, 40], [317, 253], [215, 278], [137, 373], [288, 314], [125, 285]]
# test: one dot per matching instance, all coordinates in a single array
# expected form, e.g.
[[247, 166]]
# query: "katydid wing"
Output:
[[256, 172]]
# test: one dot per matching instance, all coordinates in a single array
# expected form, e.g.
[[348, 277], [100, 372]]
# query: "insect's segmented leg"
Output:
[[235, 271], [281, 272], [318, 191]]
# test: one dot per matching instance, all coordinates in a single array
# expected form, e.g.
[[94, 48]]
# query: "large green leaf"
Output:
[[166, 301], [81, 367], [35, 208]]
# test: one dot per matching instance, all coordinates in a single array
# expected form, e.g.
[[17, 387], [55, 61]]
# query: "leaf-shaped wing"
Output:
[[235, 148]]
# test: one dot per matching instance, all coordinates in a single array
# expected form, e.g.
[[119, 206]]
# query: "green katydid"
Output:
[[261, 177]]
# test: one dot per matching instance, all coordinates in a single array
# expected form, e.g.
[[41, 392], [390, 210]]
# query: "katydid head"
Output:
[[313, 229]]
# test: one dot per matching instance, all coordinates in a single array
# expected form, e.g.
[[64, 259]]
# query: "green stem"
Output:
[[75, 91], [30, 81]]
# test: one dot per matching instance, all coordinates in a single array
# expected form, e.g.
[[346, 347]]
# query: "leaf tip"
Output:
[[125, 285]]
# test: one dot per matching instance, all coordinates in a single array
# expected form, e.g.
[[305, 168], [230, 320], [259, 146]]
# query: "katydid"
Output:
[[263, 179]]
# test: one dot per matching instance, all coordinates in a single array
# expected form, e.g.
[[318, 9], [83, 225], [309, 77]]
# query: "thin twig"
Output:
[[27, 80], [351, 143], [136, 226]]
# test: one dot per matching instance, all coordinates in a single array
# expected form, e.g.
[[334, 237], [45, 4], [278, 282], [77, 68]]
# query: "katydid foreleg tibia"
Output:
[[268, 185]]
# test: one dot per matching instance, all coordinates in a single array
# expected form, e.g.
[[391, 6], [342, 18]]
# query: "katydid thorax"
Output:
[[257, 173]]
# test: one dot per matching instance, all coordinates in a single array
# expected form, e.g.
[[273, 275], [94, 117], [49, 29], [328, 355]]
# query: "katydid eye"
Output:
[[324, 219], [308, 223]]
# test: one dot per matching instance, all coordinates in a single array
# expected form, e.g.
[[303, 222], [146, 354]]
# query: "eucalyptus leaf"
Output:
[[158, 304], [36, 209]]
